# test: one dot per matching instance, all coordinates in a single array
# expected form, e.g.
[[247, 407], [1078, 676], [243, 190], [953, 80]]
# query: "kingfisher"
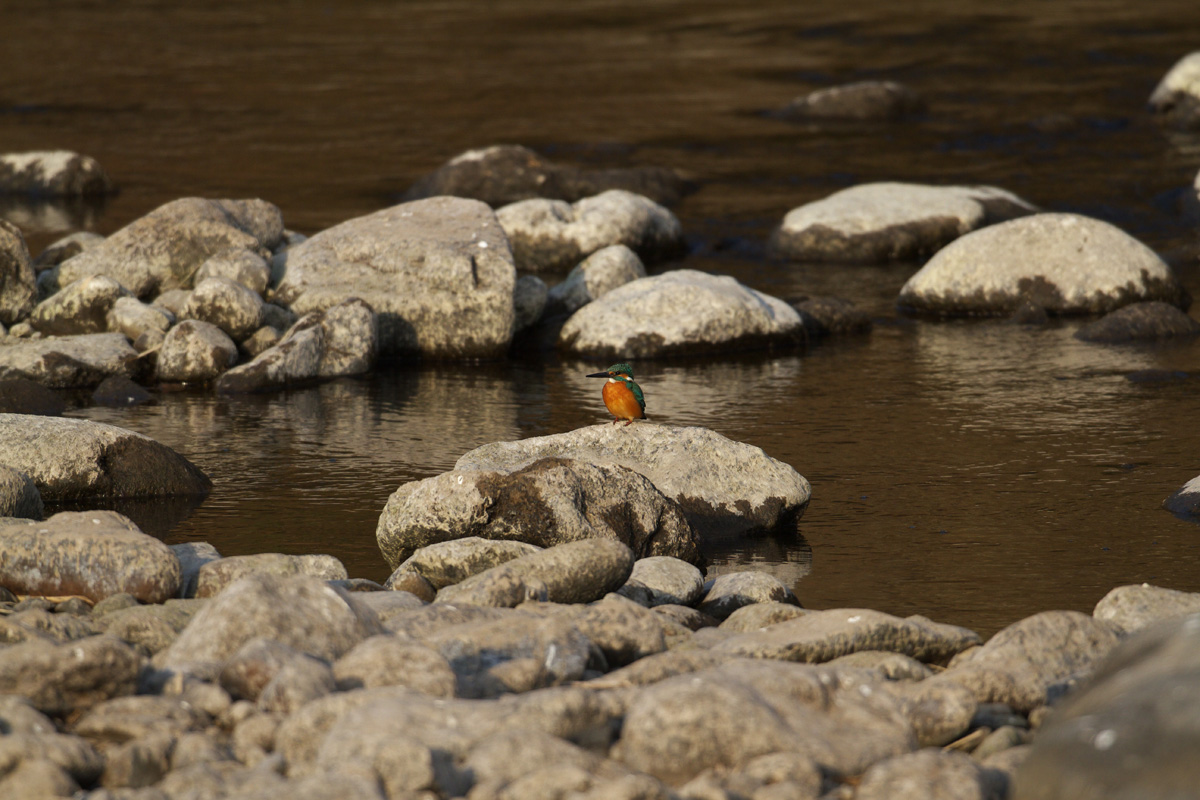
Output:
[[622, 396]]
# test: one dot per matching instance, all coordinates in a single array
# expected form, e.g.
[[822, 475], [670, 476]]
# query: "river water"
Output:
[[974, 471]]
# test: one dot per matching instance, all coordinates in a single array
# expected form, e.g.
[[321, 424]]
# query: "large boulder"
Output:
[[879, 222], [52, 173], [680, 312], [18, 286], [95, 554], [545, 503], [438, 273], [68, 362], [1176, 99], [552, 235], [73, 459], [503, 174], [1064, 263], [723, 486], [163, 249], [863, 101], [1186, 501]]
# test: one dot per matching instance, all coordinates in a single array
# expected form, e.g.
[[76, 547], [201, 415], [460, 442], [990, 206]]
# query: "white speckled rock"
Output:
[[231, 306], [549, 235], [18, 285], [244, 266], [1064, 263], [195, 351], [438, 273], [723, 486], [52, 172], [596, 276], [81, 307], [68, 362], [879, 222], [1186, 501], [682, 311], [1177, 97]]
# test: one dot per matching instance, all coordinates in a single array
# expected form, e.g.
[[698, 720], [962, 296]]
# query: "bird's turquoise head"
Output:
[[614, 371]]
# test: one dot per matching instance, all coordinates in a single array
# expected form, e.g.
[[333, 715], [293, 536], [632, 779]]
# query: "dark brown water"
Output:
[[974, 472]]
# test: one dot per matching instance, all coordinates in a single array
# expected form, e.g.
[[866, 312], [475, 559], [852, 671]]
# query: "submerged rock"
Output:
[[1176, 99], [862, 101], [723, 486], [18, 286], [680, 312], [1186, 501], [1065, 263], [880, 222], [1139, 322], [437, 272], [551, 235], [68, 362]]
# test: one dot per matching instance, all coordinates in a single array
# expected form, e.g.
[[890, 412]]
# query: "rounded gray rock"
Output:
[[132, 317], [52, 173], [1134, 607], [453, 561], [195, 352], [232, 307], [243, 266], [215, 575], [594, 277], [80, 307], [1176, 99], [670, 581]]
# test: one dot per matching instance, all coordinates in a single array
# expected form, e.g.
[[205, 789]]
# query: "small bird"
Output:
[[622, 396]]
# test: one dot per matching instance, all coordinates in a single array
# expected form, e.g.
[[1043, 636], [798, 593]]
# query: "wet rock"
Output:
[[733, 590], [668, 580], [575, 572], [192, 556], [68, 362], [831, 316], [117, 391], [229, 305], [679, 312], [759, 615], [623, 630], [553, 235], [723, 486], [1131, 730], [80, 307], [52, 173], [864, 101], [503, 174], [245, 267], [300, 612], [214, 576], [23, 396], [19, 496], [726, 716], [60, 250], [18, 286], [163, 249], [824, 635], [1022, 664], [1186, 501], [1065, 263], [1134, 607], [59, 679], [195, 352], [390, 661], [437, 272], [1176, 99], [594, 277], [73, 459], [927, 775], [453, 561], [1029, 313], [529, 301], [1139, 322], [881, 222], [551, 501], [90, 553]]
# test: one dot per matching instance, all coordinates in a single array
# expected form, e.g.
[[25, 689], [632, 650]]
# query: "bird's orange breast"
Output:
[[621, 402]]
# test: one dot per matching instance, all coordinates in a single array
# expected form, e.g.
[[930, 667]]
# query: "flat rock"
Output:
[[723, 486], [73, 459], [59, 679], [79, 307], [90, 553], [18, 285], [864, 101], [548, 502], [824, 635], [300, 611], [1064, 263], [195, 352], [19, 495], [438, 273], [1139, 322], [163, 249], [1134, 607], [1176, 99], [552, 235], [680, 312], [52, 173], [453, 561], [67, 362], [881, 222], [1186, 501], [506, 173], [213, 576], [594, 277]]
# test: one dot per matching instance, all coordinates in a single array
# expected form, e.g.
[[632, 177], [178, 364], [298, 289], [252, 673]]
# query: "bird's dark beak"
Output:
[[598, 375]]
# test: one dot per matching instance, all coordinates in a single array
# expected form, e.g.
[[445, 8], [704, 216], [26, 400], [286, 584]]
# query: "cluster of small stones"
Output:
[[498, 669]]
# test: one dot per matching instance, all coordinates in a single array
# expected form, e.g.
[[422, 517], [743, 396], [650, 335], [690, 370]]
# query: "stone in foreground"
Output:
[[72, 459], [1064, 263], [881, 222], [681, 312], [438, 273], [724, 487]]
